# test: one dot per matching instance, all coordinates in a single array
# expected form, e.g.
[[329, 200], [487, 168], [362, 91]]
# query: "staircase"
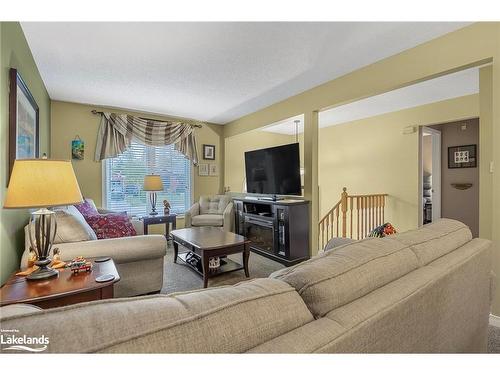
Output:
[[354, 216]]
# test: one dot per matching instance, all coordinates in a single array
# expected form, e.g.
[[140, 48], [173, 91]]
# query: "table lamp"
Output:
[[153, 183], [42, 183]]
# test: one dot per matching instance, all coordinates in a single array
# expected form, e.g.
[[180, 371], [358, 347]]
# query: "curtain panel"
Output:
[[117, 131]]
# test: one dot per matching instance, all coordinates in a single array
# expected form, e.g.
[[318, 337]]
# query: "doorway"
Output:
[[459, 172], [430, 174]]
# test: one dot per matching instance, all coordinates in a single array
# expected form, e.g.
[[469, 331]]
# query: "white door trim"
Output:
[[436, 172]]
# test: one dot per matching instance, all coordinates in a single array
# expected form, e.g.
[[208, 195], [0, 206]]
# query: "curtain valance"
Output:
[[117, 131]]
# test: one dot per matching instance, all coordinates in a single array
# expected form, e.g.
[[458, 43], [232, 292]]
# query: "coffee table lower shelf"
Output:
[[230, 266]]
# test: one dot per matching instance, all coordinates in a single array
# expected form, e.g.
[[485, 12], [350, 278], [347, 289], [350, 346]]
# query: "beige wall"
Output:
[[15, 53], [71, 119], [374, 156], [235, 148], [457, 204], [427, 155]]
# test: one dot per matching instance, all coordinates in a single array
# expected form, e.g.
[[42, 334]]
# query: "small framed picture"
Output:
[[208, 152], [203, 169], [214, 170], [462, 156], [77, 149]]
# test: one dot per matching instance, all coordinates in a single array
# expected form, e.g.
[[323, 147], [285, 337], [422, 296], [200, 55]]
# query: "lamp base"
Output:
[[152, 199], [43, 272]]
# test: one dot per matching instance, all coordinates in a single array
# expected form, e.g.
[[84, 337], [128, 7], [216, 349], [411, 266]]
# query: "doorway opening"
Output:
[[449, 170]]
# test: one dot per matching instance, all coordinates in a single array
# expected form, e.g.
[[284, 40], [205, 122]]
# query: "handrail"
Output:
[[353, 216]]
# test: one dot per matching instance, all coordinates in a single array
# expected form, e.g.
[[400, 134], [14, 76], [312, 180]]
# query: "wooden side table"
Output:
[[160, 219], [62, 290]]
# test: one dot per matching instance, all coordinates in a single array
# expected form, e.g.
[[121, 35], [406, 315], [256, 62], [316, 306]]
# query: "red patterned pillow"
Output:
[[86, 209], [112, 225]]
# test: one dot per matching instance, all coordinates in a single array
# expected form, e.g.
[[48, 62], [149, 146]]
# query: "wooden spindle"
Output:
[[327, 224], [332, 219], [378, 209], [322, 230], [350, 207], [337, 217], [365, 222], [343, 208], [357, 216], [383, 208]]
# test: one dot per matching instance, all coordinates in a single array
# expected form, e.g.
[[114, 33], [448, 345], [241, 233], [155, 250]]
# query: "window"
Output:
[[124, 177]]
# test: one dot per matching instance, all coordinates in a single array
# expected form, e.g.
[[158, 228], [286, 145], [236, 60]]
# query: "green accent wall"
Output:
[[15, 53]]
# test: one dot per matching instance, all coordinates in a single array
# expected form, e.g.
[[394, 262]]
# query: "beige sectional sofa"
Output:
[[426, 290]]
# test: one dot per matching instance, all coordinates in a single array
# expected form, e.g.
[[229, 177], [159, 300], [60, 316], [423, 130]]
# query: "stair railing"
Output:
[[353, 216]]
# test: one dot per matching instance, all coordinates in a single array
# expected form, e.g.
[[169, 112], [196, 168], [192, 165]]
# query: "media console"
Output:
[[278, 230]]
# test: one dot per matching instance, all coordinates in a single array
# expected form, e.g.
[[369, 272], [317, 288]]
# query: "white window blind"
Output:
[[124, 179]]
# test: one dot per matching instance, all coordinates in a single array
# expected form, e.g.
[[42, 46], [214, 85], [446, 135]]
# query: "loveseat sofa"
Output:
[[138, 259], [426, 290]]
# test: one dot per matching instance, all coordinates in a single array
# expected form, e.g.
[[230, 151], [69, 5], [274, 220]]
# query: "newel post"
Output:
[[343, 208]]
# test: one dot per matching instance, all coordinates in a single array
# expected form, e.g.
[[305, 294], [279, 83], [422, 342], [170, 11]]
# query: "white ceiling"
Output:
[[209, 71], [454, 85]]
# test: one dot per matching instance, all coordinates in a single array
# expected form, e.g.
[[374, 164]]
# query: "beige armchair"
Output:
[[211, 211]]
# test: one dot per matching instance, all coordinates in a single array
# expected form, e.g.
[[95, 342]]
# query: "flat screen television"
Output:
[[274, 170]]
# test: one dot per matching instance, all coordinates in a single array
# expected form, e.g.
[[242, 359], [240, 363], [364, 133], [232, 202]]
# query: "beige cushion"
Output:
[[338, 277], [436, 239], [441, 307], [228, 319], [122, 249], [214, 204], [207, 220], [71, 226]]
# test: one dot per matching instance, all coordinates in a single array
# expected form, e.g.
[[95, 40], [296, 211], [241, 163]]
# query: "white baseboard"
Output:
[[495, 320]]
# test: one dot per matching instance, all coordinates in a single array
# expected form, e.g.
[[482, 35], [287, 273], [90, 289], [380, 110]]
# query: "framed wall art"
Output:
[[213, 170], [203, 169], [77, 149], [462, 156], [24, 121], [209, 152]]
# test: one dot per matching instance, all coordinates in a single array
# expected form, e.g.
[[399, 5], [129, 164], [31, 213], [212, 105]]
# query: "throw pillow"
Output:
[[71, 227], [87, 208], [384, 230], [112, 225]]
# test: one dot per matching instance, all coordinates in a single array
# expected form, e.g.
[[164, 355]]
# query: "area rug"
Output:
[[179, 277]]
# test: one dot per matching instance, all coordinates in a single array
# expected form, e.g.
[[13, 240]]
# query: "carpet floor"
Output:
[[180, 278], [494, 340]]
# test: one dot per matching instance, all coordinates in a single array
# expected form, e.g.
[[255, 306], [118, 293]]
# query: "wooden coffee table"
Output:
[[65, 289], [211, 242]]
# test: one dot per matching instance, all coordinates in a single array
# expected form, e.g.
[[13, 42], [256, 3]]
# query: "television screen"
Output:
[[274, 170]]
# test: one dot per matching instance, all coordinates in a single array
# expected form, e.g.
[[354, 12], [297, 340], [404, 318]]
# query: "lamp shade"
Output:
[[36, 183], [153, 182]]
